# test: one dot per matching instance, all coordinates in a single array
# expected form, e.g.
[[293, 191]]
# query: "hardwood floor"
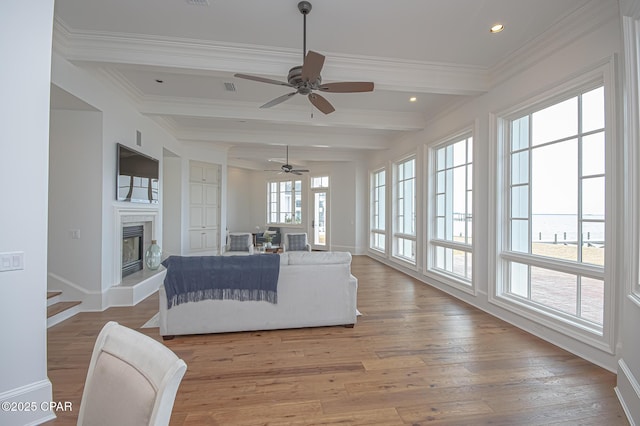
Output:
[[417, 356]]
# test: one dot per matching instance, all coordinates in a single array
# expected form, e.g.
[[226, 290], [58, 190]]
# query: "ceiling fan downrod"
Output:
[[304, 7]]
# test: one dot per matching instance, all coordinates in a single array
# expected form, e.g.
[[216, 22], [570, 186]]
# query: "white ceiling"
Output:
[[439, 51]]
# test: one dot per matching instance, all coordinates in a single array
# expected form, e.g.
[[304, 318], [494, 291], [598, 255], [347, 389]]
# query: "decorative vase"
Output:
[[268, 244], [153, 256]]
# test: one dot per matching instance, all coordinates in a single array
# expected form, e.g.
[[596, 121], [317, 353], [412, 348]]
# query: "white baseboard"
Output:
[[130, 292], [91, 301], [36, 395], [628, 391]]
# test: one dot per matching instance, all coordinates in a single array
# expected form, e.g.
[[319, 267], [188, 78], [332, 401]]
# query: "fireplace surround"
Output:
[[146, 219]]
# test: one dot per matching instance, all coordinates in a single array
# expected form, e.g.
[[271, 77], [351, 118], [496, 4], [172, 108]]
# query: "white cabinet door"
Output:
[[204, 172], [206, 239], [204, 206]]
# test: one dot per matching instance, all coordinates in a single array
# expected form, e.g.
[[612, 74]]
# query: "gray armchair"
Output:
[[296, 241], [239, 244]]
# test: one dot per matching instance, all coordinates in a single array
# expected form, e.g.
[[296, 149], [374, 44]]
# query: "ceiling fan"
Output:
[[306, 78], [288, 168]]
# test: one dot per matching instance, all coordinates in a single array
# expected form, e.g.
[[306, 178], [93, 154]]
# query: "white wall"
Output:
[[240, 201], [120, 122], [556, 61], [171, 205], [75, 200], [25, 49]]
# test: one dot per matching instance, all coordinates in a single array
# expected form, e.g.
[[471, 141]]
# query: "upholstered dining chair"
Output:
[[239, 243], [296, 241], [132, 380]]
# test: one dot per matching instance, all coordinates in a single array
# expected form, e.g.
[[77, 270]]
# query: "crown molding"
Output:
[[180, 53]]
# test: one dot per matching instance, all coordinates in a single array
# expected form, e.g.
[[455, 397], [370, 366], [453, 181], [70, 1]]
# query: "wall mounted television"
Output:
[[137, 176]]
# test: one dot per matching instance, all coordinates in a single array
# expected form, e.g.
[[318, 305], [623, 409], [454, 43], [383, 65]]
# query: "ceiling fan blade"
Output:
[[321, 103], [300, 170], [312, 66], [278, 100], [262, 79], [294, 172], [347, 87]]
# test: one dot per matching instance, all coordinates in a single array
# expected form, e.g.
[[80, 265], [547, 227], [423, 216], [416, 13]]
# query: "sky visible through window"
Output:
[[566, 183]]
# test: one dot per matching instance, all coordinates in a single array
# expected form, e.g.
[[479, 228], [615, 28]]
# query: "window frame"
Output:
[[631, 135], [396, 235], [431, 241], [382, 206], [293, 202], [603, 338]]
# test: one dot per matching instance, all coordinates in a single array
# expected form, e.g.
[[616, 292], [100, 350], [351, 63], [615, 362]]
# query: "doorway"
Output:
[[319, 235]]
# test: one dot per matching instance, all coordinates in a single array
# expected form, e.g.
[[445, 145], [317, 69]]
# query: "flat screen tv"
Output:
[[137, 178]]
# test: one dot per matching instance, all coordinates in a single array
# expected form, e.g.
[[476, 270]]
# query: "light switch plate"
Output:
[[12, 261]]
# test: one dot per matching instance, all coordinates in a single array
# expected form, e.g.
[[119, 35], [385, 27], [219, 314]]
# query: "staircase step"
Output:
[[53, 297], [51, 294], [60, 307], [61, 311]]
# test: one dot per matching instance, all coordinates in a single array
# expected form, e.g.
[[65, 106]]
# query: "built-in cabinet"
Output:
[[204, 207]]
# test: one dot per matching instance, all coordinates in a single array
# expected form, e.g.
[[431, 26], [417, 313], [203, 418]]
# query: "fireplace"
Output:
[[132, 244], [126, 217]]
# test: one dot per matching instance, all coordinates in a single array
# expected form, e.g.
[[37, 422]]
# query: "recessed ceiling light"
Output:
[[413, 99], [496, 28], [321, 146]]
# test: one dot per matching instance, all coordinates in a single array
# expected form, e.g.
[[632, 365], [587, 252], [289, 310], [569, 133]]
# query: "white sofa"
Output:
[[314, 289]]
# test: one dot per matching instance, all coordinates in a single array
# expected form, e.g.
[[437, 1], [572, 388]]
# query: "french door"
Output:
[[319, 236]]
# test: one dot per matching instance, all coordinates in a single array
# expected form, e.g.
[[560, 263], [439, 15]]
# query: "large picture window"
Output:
[[555, 241], [378, 206], [451, 219], [284, 201], [404, 223]]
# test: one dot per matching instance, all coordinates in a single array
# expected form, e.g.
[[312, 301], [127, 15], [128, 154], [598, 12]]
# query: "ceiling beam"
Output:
[[401, 75], [285, 115]]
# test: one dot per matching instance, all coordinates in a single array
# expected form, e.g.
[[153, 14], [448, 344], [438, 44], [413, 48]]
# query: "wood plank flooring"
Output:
[[417, 356]]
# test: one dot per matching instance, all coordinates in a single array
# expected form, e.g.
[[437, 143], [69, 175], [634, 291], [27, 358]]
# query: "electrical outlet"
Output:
[[75, 234], [11, 261]]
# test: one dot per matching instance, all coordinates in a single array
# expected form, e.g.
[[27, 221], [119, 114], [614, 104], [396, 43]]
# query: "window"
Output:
[[284, 200], [450, 236], [555, 242], [319, 182], [378, 206], [404, 224]]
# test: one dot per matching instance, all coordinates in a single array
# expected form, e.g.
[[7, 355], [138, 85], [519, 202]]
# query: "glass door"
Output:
[[319, 221], [319, 236]]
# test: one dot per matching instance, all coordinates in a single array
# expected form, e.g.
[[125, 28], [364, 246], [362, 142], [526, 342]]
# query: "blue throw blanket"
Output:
[[191, 279]]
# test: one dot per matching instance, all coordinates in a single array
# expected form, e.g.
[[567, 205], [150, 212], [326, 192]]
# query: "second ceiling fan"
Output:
[[288, 168], [306, 79]]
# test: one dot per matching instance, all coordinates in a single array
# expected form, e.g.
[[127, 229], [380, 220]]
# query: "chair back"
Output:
[[132, 380], [240, 242], [296, 241]]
